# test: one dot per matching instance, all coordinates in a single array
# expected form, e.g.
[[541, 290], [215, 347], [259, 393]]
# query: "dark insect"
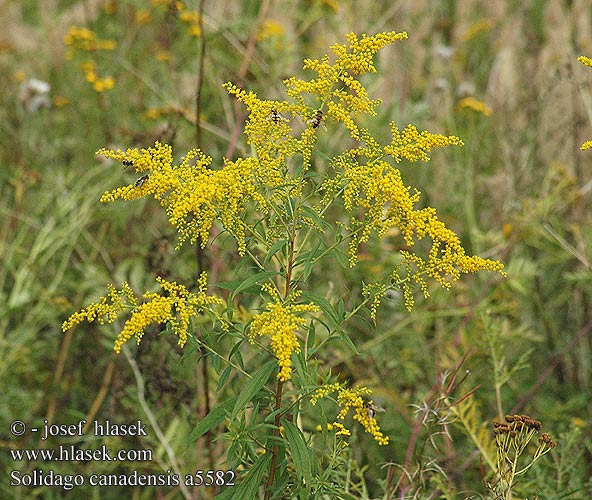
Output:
[[316, 119], [128, 163], [372, 409], [141, 181], [276, 117]]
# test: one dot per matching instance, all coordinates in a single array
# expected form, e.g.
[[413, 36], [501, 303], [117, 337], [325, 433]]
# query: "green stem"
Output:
[[280, 383]]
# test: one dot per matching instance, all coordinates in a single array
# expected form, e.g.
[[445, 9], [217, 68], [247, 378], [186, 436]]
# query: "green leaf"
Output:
[[249, 282], [227, 285], [211, 420], [311, 255], [223, 377], [316, 218], [253, 387], [311, 337], [341, 309], [249, 486], [275, 248], [345, 338], [299, 451], [340, 256], [325, 306], [290, 207]]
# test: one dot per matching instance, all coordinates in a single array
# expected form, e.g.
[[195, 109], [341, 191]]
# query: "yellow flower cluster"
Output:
[[475, 105], [270, 29], [341, 430], [376, 291], [378, 200], [191, 18], [336, 86], [280, 322], [176, 308], [85, 40], [586, 61], [352, 399], [91, 76], [194, 195], [414, 146], [359, 59], [365, 416], [155, 309], [106, 309], [323, 391], [269, 132]]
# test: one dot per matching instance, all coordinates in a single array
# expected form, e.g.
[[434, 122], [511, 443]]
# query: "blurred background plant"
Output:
[[503, 76]]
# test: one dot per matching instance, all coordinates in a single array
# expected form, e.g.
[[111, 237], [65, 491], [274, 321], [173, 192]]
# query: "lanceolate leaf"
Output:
[[253, 387], [211, 420]]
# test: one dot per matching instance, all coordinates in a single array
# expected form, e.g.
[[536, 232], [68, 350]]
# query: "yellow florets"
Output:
[[157, 309], [281, 323], [352, 399], [586, 61], [370, 424], [359, 58], [85, 40], [336, 87], [375, 291], [193, 194], [341, 430], [323, 391], [175, 308], [475, 105], [413, 146], [106, 309], [377, 198]]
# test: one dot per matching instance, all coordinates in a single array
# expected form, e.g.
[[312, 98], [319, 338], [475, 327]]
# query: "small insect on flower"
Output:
[[372, 409], [141, 181], [317, 119], [276, 117], [127, 163]]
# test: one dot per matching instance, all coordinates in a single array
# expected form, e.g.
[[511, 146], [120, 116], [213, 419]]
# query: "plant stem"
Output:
[[276, 432], [280, 383]]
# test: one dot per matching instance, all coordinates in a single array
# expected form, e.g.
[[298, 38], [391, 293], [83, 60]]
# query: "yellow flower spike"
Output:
[[352, 399], [475, 105], [341, 430], [85, 40], [270, 29], [323, 391], [106, 309], [280, 322], [156, 310], [414, 146], [379, 201], [176, 308], [359, 58], [370, 425]]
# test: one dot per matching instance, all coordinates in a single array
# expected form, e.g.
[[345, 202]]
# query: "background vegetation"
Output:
[[519, 191]]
